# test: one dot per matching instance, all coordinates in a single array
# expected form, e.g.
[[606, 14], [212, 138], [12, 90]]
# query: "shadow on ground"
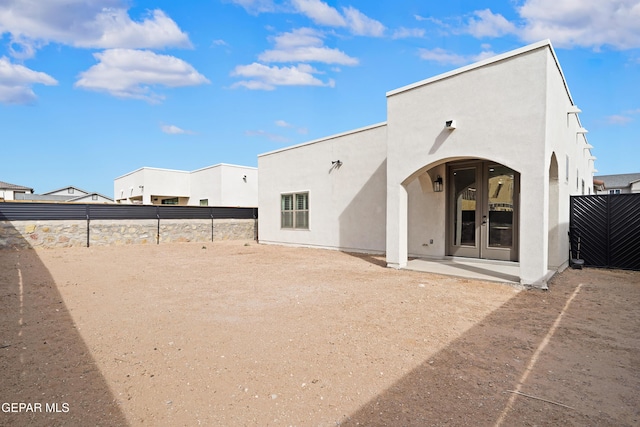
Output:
[[588, 373], [48, 374]]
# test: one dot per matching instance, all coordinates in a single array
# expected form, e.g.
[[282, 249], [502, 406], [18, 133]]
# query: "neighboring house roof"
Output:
[[14, 187], [66, 189], [618, 181], [89, 196]]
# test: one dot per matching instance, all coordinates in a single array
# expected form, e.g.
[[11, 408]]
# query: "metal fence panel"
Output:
[[624, 231], [589, 221], [19, 211], [609, 229], [122, 212], [235, 213], [42, 211]]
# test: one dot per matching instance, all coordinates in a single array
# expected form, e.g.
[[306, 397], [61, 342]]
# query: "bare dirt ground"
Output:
[[240, 334]]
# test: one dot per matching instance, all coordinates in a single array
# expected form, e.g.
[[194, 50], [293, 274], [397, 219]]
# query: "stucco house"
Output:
[[620, 183], [478, 162], [216, 185], [10, 191]]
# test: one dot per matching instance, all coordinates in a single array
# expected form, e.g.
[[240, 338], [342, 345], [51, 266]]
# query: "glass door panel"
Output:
[[464, 212], [501, 182], [483, 211]]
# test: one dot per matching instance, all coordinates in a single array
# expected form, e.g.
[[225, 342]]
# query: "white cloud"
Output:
[[618, 119], [444, 57], [362, 25], [441, 56], [622, 119], [283, 124], [16, 81], [308, 54], [323, 14], [585, 23], [81, 23], [305, 45], [256, 6], [320, 12], [175, 130], [567, 23], [488, 24], [404, 33], [268, 78], [128, 73], [117, 30], [270, 136]]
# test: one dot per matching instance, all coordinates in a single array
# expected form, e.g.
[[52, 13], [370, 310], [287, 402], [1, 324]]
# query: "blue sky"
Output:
[[90, 90]]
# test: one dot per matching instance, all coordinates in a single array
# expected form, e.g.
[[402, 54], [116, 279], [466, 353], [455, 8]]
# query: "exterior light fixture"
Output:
[[574, 110], [336, 163], [582, 131], [450, 124], [244, 178], [437, 184]]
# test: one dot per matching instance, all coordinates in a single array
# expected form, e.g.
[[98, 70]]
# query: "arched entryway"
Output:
[[482, 210]]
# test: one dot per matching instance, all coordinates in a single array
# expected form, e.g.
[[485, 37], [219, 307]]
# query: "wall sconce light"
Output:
[[574, 110], [437, 184], [244, 178], [337, 163], [582, 131], [450, 124]]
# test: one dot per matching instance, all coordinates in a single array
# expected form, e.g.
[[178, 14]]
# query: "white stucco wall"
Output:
[[221, 185], [239, 186], [500, 116], [346, 203], [564, 141], [206, 183], [151, 182]]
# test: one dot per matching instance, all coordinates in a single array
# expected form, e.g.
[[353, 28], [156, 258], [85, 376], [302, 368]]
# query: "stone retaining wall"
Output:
[[51, 234]]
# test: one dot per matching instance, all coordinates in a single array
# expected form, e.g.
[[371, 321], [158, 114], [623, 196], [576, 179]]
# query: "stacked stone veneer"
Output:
[[51, 234]]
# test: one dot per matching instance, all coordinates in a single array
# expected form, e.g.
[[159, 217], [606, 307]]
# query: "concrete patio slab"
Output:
[[495, 271]]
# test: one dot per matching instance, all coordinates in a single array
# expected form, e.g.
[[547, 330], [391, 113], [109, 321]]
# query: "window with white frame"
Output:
[[294, 210], [614, 191]]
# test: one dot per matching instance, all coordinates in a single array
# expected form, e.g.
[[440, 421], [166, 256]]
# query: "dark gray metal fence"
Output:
[[61, 211], [609, 229]]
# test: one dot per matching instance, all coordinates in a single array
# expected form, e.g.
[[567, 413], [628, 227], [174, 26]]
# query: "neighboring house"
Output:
[[217, 185], [67, 194], [11, 191], [620, 184], [478, 162]]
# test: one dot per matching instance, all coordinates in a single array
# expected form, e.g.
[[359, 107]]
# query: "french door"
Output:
[[483, 210]]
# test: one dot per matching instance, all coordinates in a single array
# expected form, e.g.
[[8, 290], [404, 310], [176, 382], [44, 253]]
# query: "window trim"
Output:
[[294, 211]]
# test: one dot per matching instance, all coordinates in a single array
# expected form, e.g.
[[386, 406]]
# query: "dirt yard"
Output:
[[240, 334]]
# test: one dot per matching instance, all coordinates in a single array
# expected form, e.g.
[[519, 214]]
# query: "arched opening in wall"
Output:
[[426, 214], [554, 253]]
